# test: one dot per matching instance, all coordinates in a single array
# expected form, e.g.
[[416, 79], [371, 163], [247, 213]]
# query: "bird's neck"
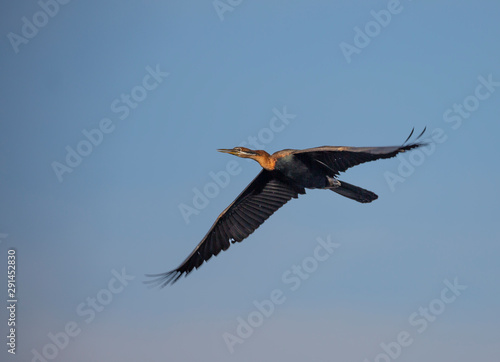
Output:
[[265, 160]]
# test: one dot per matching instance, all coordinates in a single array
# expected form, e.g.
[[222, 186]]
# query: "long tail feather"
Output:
[[355, 193]]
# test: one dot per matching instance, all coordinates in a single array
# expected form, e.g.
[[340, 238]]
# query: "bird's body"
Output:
[[305, 174], [285, 175]]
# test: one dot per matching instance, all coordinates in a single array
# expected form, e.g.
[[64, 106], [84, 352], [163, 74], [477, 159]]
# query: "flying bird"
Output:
[[285, 175]]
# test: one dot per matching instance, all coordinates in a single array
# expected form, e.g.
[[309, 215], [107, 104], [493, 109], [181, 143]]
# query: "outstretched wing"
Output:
[[260, 199], [339, 159]]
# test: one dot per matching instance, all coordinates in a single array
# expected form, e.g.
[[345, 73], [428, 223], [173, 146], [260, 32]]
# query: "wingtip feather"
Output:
[[414, 143], [163, 279], [411, 133]]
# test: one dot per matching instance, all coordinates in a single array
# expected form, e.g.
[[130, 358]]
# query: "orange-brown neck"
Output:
[[265, 160]]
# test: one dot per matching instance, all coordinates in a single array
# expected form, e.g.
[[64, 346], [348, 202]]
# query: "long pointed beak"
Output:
[[225, 150]]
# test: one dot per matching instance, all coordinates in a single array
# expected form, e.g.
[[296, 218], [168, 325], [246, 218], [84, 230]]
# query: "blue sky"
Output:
[[111, 115]]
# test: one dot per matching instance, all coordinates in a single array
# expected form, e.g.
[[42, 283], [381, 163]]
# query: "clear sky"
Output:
[[111, 114]]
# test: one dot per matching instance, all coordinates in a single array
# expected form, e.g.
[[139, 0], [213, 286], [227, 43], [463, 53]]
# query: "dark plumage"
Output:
[[285, 175]]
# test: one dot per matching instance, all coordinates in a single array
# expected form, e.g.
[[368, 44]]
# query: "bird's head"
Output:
[[260, 156], [240, 152]]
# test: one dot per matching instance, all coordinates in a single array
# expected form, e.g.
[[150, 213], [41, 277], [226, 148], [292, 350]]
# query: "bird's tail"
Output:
[[354, 192]]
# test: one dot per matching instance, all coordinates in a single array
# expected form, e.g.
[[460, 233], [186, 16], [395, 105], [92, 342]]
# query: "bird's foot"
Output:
[[332, 182]]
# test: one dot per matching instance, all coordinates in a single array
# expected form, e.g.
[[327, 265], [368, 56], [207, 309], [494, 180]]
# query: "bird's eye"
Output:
[[237, 148]]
